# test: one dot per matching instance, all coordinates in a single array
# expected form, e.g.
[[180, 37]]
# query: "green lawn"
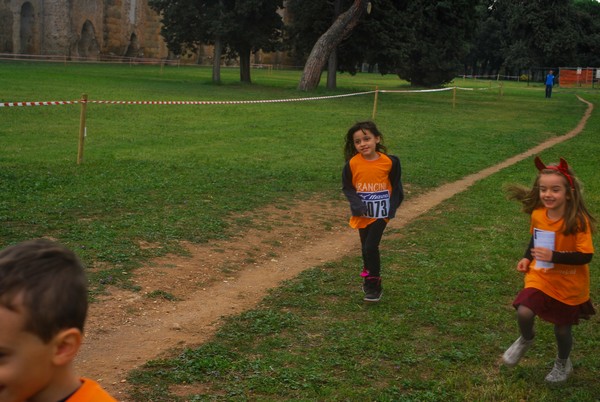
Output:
[[167, 173]]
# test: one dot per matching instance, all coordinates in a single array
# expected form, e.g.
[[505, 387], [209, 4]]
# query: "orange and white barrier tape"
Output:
[[239, 102], [49, 103], [13, 104]]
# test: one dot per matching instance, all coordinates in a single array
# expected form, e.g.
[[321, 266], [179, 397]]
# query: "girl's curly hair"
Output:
[[350, 149]]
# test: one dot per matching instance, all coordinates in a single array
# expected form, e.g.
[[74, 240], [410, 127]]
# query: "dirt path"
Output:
[[126, 329]]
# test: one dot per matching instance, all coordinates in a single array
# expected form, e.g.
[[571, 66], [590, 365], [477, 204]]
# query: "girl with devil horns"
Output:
[[555, 264]]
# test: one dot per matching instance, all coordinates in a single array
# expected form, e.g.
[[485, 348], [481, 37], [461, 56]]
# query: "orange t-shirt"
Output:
[[90, 391], [569, 284], [371, 180]]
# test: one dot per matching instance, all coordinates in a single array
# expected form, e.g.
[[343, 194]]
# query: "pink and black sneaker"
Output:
[[372, 288]]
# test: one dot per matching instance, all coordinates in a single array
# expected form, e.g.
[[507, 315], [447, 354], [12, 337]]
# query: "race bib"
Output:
[[378, 203], [543, 238]]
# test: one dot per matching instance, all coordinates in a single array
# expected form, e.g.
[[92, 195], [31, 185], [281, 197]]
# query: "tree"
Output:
[[516, 35], [423, 42], [310, 20], [327, 42], [332, 63], [587, 21], [234, 26], [218, 29], [188, 24], [440, 35], [380, 40], [256, 25], [541, 34], [489, 40]]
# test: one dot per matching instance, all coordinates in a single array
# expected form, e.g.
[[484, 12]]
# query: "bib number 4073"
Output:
[[378, 204]]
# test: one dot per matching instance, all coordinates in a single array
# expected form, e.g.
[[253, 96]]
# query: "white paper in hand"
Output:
[[543, 238]]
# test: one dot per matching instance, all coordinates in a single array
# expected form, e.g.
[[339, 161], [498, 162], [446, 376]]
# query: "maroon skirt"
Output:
[[552, 310]]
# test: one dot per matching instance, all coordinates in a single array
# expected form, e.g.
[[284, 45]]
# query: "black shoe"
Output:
[[372, 288], [373, 296]]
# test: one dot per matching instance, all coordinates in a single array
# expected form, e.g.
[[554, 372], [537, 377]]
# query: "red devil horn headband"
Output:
[[562, 168]]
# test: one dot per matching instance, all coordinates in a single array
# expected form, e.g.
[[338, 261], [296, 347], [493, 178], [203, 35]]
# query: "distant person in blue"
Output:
[[549, 84]]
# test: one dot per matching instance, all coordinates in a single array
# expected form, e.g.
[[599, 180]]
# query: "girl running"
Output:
[[557, 279], [371, 180]]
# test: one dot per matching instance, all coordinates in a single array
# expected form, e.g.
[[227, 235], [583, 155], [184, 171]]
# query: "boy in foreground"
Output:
[[43, 307]]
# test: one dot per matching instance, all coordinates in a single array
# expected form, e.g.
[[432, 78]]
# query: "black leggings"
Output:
[[369, 240]]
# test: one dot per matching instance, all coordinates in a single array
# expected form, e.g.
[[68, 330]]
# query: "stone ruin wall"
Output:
[[95, 29], [81, 28]]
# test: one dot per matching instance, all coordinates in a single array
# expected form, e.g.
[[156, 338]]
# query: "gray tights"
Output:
[[563, 334]]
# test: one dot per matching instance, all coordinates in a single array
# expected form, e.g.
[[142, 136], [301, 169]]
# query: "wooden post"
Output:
[[375, 103], [82, 128], [453, 97], [501, 88]]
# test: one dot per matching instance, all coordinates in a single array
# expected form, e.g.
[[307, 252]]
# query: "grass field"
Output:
[[166, 173]]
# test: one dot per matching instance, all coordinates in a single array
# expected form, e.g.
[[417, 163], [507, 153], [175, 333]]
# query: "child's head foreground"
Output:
[[557, 188], [43, 306], [46, 282], [361, 131]]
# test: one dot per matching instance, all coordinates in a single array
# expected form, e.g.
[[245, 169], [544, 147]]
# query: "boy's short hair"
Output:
[[47, 281]]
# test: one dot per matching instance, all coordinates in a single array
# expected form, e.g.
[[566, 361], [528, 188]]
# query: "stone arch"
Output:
[[133, 48], [28, 32], [6, 34], [87, 45]]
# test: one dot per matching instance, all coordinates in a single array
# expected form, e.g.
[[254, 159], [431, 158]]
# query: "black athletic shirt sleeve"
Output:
[[563, 257]]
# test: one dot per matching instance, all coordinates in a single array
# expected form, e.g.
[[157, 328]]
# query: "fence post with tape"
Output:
[[82, 128], [375, 103], [453, 97]]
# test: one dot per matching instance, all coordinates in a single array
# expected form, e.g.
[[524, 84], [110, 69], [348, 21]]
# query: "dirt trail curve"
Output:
[[126, 329]]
